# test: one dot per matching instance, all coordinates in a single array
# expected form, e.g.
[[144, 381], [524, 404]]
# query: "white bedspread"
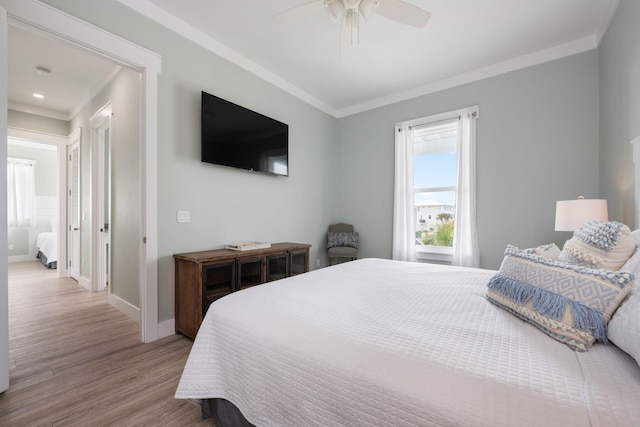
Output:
[[387, 343], [47, 243]]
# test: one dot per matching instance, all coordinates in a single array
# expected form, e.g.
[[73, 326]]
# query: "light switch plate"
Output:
[[184, 216]]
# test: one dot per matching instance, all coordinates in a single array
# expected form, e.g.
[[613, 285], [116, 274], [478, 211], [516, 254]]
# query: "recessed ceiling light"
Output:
[[38, 95], [43, 71]]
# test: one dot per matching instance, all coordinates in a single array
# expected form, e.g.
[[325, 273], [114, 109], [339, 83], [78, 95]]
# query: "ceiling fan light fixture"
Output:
[[368, 7], [352, 4], [335, 9]]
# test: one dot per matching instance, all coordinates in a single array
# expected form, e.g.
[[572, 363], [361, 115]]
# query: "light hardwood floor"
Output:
[[77, 361]]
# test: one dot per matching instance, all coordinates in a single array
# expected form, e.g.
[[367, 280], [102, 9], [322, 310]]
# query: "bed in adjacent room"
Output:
[[47, 244], [386, 343]]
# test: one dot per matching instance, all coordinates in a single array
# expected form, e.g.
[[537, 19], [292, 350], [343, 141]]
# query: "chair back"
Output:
[[341, 228]]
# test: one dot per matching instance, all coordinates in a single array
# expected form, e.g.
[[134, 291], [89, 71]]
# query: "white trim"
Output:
[[4, 282], [606, 21], [186, 30], [166, 328], [99, 121], [75, 138], [93, 92], [525, 61], [56, 23], [162, 17], [125, 307], [20, 258], [45, 112], [85, 283]]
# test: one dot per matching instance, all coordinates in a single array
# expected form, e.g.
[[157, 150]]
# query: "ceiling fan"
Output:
[[348, 12]]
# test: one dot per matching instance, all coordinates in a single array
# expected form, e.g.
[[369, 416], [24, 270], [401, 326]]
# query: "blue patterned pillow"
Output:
[[342, 239], [571, 303]]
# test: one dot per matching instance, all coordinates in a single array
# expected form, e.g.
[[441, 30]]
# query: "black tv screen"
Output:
[[238, 137]]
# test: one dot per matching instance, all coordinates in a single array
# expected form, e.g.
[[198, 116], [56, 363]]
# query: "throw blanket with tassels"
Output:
[[570, 303]]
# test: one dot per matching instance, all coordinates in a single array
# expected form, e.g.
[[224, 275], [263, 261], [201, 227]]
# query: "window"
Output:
[[435, 179], [435, 187], [20, 192]]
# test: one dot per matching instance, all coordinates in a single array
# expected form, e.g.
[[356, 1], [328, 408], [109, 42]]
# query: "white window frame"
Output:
[[429, 252], [404, 232]]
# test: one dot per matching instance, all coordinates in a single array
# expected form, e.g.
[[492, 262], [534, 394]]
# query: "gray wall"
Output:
[[620, 110], [123, 92], [226, 205], [21, 120], [537, 142]]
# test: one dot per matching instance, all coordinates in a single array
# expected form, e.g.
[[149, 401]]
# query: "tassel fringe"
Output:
[[551, 304]]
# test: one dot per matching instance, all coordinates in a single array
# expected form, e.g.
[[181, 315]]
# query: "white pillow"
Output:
[[549, 251], [624, 326], [600, 245]]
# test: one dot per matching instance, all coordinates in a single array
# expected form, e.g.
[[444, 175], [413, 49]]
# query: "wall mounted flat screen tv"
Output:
[[238, 137]]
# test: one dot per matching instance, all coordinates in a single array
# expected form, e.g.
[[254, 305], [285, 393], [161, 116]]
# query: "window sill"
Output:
[[434, 253]]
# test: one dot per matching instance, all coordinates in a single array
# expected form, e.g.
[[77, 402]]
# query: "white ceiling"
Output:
[[464, 40], [76, 75]]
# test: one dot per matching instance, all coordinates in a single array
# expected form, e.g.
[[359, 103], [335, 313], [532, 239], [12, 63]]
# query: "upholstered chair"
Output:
[[342, 243]]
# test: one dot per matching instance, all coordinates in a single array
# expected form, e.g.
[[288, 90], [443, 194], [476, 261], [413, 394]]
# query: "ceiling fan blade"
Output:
[[298, 11], [403, 12]]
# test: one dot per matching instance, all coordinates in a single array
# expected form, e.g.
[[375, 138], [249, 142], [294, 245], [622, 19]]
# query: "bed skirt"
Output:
[[226, 413], [43, 259]]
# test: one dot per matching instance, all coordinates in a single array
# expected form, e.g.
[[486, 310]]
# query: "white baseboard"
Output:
[[22, 258], [166, 328], [125, 307], [85, 283]]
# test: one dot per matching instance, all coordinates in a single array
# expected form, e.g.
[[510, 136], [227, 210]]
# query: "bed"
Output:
[[377, 342], [47, 244]]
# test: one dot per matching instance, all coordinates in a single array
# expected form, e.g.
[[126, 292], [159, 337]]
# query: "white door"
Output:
[[104, 177], [101, 203], [4, 285], [73, 205]]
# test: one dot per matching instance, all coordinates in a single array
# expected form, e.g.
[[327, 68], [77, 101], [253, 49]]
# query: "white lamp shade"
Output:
[[571, 214]]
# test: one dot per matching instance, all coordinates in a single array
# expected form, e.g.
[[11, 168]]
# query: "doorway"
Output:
[[54, 23]]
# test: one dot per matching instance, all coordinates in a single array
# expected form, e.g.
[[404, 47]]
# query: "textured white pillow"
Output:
[[549, 251], [601, 245], [624, 326]]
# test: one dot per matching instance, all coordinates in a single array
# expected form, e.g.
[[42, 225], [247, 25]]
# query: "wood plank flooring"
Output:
[[77, 361]]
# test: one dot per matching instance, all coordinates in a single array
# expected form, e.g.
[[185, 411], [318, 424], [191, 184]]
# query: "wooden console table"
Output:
[[203, 277]]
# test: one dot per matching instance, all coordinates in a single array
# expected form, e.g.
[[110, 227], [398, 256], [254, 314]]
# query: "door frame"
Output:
[[99, 266], [4, 281], [44, 19], [73, 236]]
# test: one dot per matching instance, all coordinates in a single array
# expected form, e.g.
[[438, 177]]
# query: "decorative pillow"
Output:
[[568, 302], [342, 239], [624, 327], [550, 251], [598, 244]]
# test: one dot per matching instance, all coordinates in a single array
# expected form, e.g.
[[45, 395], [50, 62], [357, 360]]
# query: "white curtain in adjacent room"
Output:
[[404, 243], [465, 243], [21, 192]]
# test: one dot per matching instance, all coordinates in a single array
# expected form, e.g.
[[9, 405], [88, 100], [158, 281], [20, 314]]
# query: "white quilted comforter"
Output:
[[387, 343]]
